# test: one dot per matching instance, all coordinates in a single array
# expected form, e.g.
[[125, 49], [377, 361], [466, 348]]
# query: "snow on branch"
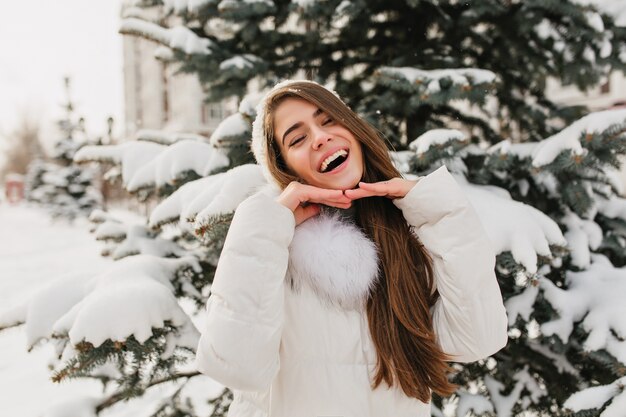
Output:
[[432, 79], [594, 296], [178, 38], [514, 226], [131, 297], [230, 130], [135, 240], [616, 9], [131, 156], [196, 201], [525, 385], [582, 235], [176, 206], [167, 138], [506, 147], [240, 62], [185, 6], [472, 402], [173, 162], [596, 397], [614, 207], [436, 137], [239, 183], [569, 138], [147, 164]]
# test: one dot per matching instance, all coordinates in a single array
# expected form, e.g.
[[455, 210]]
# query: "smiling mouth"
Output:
[[334, 161]]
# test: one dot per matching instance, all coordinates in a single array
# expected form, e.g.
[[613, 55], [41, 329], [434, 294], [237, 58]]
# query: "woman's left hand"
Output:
[[393, 188]]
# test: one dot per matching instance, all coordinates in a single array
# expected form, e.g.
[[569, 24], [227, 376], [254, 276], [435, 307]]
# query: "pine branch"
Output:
[[119, 396]]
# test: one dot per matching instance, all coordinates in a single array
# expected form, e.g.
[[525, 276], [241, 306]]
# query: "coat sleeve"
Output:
[[239, 344], [469, 318]]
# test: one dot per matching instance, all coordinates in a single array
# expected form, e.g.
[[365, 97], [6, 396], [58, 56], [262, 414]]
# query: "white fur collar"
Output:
[[334, 258]]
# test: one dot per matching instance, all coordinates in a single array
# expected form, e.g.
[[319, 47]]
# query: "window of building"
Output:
[[212, 113], [606, 87]]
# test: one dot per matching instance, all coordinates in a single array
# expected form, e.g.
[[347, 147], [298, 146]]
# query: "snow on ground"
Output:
[[33, 251]]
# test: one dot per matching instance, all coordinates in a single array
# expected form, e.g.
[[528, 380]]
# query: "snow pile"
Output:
[[178, 38], [80, 407], [594, 296], [569, 138]]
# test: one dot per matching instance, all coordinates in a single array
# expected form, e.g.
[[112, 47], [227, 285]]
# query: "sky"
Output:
[[42, 41]]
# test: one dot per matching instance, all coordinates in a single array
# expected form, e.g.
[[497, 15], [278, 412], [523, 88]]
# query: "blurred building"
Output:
[[157, 97], [14, 188], [611, 94]]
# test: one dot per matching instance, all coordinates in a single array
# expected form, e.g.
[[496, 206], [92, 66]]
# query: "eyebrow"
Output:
[[299, 124]]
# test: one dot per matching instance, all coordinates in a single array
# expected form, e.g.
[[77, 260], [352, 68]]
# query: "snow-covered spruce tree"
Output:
[[132, 326], [562, 285], [59, 185], [351, 43], [549, 206]]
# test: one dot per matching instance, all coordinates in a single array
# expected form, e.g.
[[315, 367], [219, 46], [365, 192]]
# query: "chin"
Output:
[[343, 183]]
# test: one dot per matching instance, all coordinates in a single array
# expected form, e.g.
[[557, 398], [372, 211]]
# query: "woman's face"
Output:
[[316, 148]]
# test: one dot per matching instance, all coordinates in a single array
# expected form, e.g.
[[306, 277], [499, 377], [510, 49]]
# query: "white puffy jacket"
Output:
[[286, 330]]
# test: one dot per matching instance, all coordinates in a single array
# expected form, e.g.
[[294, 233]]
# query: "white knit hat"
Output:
[[258, 128]]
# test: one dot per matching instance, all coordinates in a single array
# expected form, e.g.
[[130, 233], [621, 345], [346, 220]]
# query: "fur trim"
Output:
[[258, 132], [335, 259]]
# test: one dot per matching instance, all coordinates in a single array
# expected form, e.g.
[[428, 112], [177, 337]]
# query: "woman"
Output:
[[345, 292]]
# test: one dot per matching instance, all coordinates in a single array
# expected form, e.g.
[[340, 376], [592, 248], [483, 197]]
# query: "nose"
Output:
[[320, 137]]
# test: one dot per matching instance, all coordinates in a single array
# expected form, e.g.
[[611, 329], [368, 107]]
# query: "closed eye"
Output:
[[297, 140], [327, 121]]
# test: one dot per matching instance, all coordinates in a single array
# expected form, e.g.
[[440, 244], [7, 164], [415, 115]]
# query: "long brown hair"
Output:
[[398, 308]]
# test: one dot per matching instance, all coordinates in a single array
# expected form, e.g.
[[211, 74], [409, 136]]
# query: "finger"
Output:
[[303, 213], [322, 196], [338, 205], [381, 185], [376, 188], [358, 193], [395, 187]]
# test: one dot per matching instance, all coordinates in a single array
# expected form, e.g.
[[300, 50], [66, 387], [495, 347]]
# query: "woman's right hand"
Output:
[[304, 200]]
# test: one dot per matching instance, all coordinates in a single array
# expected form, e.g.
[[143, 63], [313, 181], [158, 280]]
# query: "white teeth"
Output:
[[331, 158]]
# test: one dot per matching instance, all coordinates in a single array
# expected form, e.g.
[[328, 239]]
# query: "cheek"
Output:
[[299, 163]]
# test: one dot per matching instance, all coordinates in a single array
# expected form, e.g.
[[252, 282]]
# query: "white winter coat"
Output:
[[286, 329]]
